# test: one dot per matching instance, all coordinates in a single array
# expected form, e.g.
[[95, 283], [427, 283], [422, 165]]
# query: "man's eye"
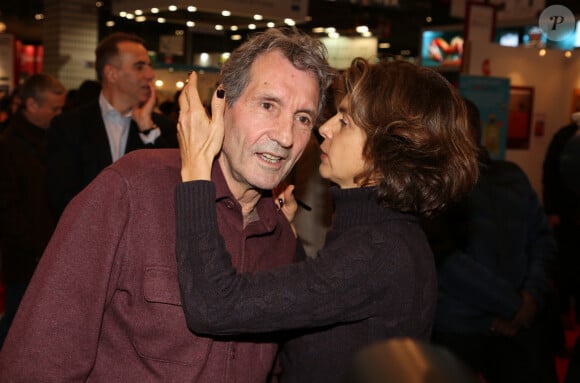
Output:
[[267, 105], [304, 120]]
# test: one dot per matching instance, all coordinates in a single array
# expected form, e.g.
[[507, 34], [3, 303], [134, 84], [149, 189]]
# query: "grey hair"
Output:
[[303, 51]]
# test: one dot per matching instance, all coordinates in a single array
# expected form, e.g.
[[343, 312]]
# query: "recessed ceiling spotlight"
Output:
[[271, 24], [384, 45], [140, 19], [289, 21], [122, 14], [159, 83], [38, 16], [428, 19], [219, 27], [542, 52], [130, 16], [236, 37], [190, 24], [138, 12], [161, 20], [362, 29], [172, 8], [234, 28], [568, 54], [226, 13], [99, 4], [110, 23], [258, 17], [154, 10], [252, 26], [191, 8]]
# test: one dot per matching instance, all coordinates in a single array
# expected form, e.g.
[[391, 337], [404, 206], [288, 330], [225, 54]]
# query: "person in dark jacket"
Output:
[[562, 206], [494, 251], [398, 149], [87, 139], [26, 222]]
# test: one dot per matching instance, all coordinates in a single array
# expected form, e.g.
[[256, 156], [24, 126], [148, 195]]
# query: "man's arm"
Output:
[[55, 334]]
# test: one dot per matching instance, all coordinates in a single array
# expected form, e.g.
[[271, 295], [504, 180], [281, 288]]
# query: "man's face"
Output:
[[268, 127], [132, 74], [41, 113]]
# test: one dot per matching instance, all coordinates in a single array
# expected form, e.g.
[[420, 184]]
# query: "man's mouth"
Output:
[[270, 158]]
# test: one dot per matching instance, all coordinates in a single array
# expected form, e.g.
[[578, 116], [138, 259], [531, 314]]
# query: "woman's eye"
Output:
[[342, 122]]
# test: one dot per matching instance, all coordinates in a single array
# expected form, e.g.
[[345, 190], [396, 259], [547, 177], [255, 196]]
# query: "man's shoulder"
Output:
[[144, 161], [84, 112]]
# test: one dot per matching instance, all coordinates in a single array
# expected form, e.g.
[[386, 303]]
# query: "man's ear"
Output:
[[110, 73], [30, 104]]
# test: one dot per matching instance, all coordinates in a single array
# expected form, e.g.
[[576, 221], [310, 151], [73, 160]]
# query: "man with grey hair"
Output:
[[104, 304], [26, 222]]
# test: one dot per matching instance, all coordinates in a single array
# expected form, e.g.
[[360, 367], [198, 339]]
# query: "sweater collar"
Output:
[[359, 206]]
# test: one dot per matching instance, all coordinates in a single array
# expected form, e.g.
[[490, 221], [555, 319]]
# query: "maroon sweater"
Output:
[[104, 303]]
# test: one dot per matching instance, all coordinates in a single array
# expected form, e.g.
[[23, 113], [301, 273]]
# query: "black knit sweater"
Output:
[[375, 279]]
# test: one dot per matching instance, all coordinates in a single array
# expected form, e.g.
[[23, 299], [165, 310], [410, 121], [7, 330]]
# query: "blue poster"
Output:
[[492, 97]]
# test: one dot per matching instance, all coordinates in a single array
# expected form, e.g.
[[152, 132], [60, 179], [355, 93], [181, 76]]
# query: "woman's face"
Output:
[[342, 149]]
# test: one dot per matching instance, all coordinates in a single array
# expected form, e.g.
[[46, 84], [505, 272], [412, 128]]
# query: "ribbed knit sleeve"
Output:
[[344, 284]]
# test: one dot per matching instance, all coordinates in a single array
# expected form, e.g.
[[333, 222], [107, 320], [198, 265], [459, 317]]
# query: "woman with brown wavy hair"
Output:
[[398, 149]]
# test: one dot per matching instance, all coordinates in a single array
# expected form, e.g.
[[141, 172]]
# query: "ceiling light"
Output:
[[179, 84], [428, 19], [271, 24], [140, 19], [236, 37], [130, 16], [384, 45], [39, 16], [289, 21], [159, 83], [252, 26], [172, 8], [161, 20], [234, 28], [542, 52], [318, 30], [362, 29], [138, 12], [226, 55], [568, 54], [258, 17], [191, 8], [179, 32], [226, 13], [122, 14], [190, 23], [99, 4], [154, 10], [219, 27], [110, 23]]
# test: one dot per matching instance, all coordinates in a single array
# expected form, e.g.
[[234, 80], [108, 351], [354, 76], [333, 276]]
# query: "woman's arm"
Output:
[[335, 287]]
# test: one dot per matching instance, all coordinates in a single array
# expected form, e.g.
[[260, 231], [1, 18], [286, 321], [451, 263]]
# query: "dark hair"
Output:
[[303, 51], [418, 147], [37, 85], [108, 49]]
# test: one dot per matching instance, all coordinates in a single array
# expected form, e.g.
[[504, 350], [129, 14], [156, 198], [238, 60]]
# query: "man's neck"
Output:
[[247, 197], [117, 102]]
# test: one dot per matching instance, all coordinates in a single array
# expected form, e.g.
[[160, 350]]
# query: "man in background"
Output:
[[85, 140], [26, 222]]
